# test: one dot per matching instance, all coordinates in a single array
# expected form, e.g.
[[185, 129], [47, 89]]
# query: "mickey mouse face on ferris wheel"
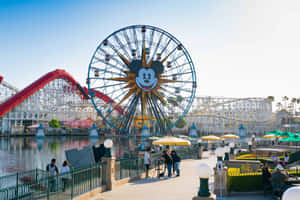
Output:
[[146, 77]]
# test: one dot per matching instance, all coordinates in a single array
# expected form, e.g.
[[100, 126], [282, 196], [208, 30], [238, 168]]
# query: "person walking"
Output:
[[52, 171], [176, 162], [168, 162], [65, 170], [147, 161]]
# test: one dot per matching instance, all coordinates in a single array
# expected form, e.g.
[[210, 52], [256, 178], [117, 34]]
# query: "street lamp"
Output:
[[108, 144], [250, 145], [231, 145], [226, 151], [203, 171], [219, 153], [292, 193]]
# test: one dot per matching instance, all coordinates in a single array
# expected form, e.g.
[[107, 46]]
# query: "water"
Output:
[[21, 154]]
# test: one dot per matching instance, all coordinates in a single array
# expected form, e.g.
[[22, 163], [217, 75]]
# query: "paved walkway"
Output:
[[176, 188]]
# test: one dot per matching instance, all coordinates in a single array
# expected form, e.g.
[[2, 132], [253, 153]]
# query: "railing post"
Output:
[[17, 188], [90, 177], [36, 174], [72, 185], [110, 172], [48, 190]]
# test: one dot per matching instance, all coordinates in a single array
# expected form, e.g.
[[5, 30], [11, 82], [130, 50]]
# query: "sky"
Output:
[[244, 48]]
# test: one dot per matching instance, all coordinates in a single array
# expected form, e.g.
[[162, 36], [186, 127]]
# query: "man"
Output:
[[168, 162], [52, 171], [278, 181], [147, 161]]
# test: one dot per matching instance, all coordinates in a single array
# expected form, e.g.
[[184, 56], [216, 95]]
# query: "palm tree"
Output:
[[271, 98], [285, 99], [279, 106]]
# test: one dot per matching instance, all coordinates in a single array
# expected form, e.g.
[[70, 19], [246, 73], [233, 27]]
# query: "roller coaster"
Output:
[[55, 95], [58, 95], [219, 115]]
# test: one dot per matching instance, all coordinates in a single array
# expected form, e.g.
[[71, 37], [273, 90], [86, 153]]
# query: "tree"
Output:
[[271, 98], [285, 99], [181, 124], [279, 106], [54, 123]]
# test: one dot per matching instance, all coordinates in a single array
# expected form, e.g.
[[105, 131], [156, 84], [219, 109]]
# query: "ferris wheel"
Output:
[[148, 76]]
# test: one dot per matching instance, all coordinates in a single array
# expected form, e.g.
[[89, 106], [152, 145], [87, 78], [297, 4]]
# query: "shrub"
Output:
[[54, 123]]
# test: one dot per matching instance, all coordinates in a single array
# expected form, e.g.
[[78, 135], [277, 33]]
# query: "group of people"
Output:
[[52, 170], [276, 180], [171, 161]]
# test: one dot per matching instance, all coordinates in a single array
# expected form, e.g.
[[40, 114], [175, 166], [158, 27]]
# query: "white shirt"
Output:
[[65, 169], [146, 158]]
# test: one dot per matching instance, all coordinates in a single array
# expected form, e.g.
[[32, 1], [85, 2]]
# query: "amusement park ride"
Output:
[[139, 76], [147, 71]]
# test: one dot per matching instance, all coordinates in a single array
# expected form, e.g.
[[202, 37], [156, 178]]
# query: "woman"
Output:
[[266, 176], [176, 162], [65, 170]]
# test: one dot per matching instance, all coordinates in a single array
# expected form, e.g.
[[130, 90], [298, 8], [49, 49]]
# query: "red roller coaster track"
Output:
[[24, 94]]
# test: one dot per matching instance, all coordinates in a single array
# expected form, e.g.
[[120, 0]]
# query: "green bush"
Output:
[[54, 123], [181, 124]]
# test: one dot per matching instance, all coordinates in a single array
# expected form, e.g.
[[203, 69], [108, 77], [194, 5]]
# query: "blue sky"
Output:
[[240, 48]]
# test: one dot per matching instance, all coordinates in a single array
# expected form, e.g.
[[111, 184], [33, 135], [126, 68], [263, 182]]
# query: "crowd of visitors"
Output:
[[171, 162]]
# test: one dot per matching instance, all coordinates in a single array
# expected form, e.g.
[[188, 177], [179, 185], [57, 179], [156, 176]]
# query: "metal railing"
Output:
[[22, 177], [61, 186]]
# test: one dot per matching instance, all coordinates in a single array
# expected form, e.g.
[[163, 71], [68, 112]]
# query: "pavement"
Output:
[[175, 188]]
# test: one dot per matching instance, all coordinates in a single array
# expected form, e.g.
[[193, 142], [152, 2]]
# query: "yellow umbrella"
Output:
[[183, 136], [210, 137], [170, 140], [270, 136], [230, 136], [153, 138]]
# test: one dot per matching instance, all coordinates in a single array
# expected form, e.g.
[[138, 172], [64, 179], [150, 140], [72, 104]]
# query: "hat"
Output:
[[279, 167]]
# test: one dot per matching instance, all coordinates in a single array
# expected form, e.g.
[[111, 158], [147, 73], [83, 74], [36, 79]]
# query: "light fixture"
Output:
[[219, 153], [226, 150], [292, 193], [108, 144], [231, 145], [204, 172], [250, 145]]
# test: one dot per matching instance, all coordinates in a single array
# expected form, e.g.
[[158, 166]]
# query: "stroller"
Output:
[[160, 168]]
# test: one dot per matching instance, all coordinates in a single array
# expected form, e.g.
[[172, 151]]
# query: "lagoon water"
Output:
[[19, 154]]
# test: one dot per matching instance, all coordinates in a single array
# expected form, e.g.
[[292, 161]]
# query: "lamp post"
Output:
[[219, 153], [199, 148], [250, 146], [203, 171], [108, 144], [226, 151], [292, 193], [231, 145]]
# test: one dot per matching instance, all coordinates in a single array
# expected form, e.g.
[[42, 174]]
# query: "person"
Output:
[[147, 161], [286, 159], [168, 162], [266, 177], [176, 162], [65, 169], [52, 171], [278, 181]]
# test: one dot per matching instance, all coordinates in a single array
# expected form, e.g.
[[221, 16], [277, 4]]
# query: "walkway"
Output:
[[176, 188]]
